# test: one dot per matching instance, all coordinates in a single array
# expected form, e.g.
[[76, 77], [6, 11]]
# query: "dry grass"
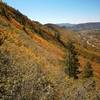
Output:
[[40, 63]]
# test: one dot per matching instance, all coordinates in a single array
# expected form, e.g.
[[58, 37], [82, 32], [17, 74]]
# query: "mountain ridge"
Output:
[[82, 26]]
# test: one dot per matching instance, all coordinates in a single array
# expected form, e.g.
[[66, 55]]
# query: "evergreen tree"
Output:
[[57, 35], [88, 71], [72, 61]]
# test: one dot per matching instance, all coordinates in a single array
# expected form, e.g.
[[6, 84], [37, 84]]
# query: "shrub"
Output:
[[19, 17], [5, 13], [72, 61], [1, 39], [10, 79], [88, 71], [43, 89], [57, 35]]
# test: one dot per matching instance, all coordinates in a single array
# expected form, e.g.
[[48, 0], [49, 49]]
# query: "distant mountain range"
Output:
[[82, 26], [66, 25]]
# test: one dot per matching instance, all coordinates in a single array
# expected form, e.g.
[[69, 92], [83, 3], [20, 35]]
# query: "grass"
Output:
[[40, 65]]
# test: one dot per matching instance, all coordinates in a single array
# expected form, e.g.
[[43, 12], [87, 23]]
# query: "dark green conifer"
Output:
[[88, 70], [72, 61]]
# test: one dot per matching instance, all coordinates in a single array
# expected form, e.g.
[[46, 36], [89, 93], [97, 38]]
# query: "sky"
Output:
[[59, 11]]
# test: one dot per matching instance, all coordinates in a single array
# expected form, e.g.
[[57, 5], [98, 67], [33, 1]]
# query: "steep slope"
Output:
[[29, 53], [32, 61]]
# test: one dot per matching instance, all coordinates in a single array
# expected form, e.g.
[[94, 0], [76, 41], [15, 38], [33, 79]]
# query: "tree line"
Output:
[[72, 63]]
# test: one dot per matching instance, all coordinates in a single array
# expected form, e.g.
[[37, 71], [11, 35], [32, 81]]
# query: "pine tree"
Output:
[[88, 70], [57, 35], [72, 61]]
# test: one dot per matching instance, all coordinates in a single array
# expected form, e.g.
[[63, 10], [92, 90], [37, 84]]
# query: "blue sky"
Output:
[[59, 11]]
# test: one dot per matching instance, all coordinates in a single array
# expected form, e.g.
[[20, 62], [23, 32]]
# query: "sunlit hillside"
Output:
[[33, 59]]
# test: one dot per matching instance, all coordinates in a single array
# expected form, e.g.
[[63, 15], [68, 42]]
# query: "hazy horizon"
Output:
[[59, 11]]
